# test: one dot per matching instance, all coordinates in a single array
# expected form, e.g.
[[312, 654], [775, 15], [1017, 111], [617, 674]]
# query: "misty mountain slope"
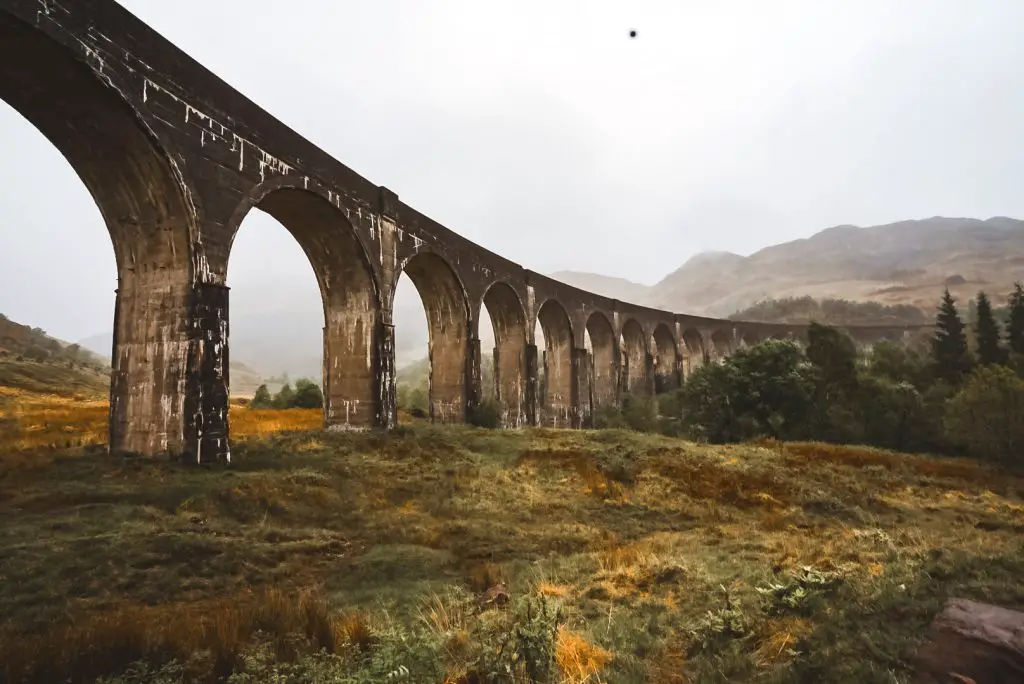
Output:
[[899, 263], [607, 286]]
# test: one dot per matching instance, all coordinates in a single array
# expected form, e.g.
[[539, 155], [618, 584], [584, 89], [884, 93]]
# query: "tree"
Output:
[[835, 355], [284, 396], [987, 415], [307, 395], [1015, 328], [262, 398], [949, 342], [986, 332]]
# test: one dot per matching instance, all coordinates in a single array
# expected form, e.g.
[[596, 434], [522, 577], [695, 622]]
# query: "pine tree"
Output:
[[1015, 328], [262, 398], [949, 343], [986, 332]]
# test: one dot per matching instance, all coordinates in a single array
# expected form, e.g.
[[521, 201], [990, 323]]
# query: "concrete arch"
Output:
[[150, 216], [556, 401], [663, 342], [634, 355], [720, 344], [508, 320], [694, 352], [446, 304], [349, 293], [603, 356]]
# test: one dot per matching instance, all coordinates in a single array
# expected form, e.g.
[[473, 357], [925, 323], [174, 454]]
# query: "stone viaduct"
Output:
[[175, 158]]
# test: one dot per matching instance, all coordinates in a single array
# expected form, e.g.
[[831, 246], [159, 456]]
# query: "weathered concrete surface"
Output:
[[176, 159]]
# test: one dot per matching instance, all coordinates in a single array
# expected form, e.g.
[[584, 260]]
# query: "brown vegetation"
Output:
[[436, 549]]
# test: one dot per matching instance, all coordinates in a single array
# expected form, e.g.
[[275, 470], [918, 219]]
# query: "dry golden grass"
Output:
[[98, 642], [579, 660], [30, 420]]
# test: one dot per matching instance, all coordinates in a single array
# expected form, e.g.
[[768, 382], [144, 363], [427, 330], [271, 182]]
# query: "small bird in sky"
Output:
[[632, 33]]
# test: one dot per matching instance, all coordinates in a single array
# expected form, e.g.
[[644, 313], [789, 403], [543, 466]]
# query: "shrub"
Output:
[[307, 395], [986, 417], [485, 414]]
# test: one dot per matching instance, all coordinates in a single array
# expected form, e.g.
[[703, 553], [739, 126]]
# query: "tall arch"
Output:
[[555, 407], [604, 369], [720, 344], [149, 216], [694, 353], [508, 320], [634, 359], [349, 296], [444, 300], [666, 376]]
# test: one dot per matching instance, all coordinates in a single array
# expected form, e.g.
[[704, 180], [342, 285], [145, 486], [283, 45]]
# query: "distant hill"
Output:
[[616, 288], [33, 361], [903, 263]]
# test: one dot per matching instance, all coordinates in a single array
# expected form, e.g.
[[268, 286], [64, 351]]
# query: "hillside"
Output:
[[903, 263], [620, 557], [616, 288], [908, 262], [33, 361]]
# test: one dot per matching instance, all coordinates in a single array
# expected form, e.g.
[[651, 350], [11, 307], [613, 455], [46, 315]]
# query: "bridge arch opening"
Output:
[[634, 359], [506, 323], [603, 369], [749, 338], [720, 344], [666, 377], [694, 354], [444, 304], [148, 217], [554, 363], [318, 330]]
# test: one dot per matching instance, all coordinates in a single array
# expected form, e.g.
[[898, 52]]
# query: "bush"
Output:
[[986, 417], [486, 414], [307, 395], [262, 398]]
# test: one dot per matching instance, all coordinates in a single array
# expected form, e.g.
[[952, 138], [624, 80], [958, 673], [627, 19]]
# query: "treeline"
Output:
[[831, 311], [307, 394], [952, 398]]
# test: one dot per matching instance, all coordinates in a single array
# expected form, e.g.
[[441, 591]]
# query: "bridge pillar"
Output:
[[169, 368], [474, 392], [581, 399], [650, 381], [206, 401], [386, 385], [532, 390]]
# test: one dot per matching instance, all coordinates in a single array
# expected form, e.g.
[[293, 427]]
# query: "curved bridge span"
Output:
[[175, 158]]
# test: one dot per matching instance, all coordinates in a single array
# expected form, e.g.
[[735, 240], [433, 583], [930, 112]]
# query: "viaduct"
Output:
[[175, 158]]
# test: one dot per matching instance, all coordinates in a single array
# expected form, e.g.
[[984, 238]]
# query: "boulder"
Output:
[[973, 643]]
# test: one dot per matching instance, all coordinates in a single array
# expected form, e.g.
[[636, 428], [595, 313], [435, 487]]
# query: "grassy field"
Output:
[[452, 554]]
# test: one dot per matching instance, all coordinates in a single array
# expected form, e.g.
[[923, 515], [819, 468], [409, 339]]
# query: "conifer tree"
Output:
[[1015, 328], [949, 343], [986, 332]]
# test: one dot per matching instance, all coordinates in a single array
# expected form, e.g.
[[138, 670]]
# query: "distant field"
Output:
[[446, 554]]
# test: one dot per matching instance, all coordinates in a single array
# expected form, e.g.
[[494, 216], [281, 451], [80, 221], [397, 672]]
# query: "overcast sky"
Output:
[[542, 131]]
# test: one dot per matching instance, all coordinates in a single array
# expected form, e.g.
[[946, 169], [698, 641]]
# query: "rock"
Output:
[[973, 643], [495, 596]]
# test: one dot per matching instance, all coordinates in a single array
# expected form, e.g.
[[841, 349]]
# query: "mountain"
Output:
[[616, 288], [908, 262]]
